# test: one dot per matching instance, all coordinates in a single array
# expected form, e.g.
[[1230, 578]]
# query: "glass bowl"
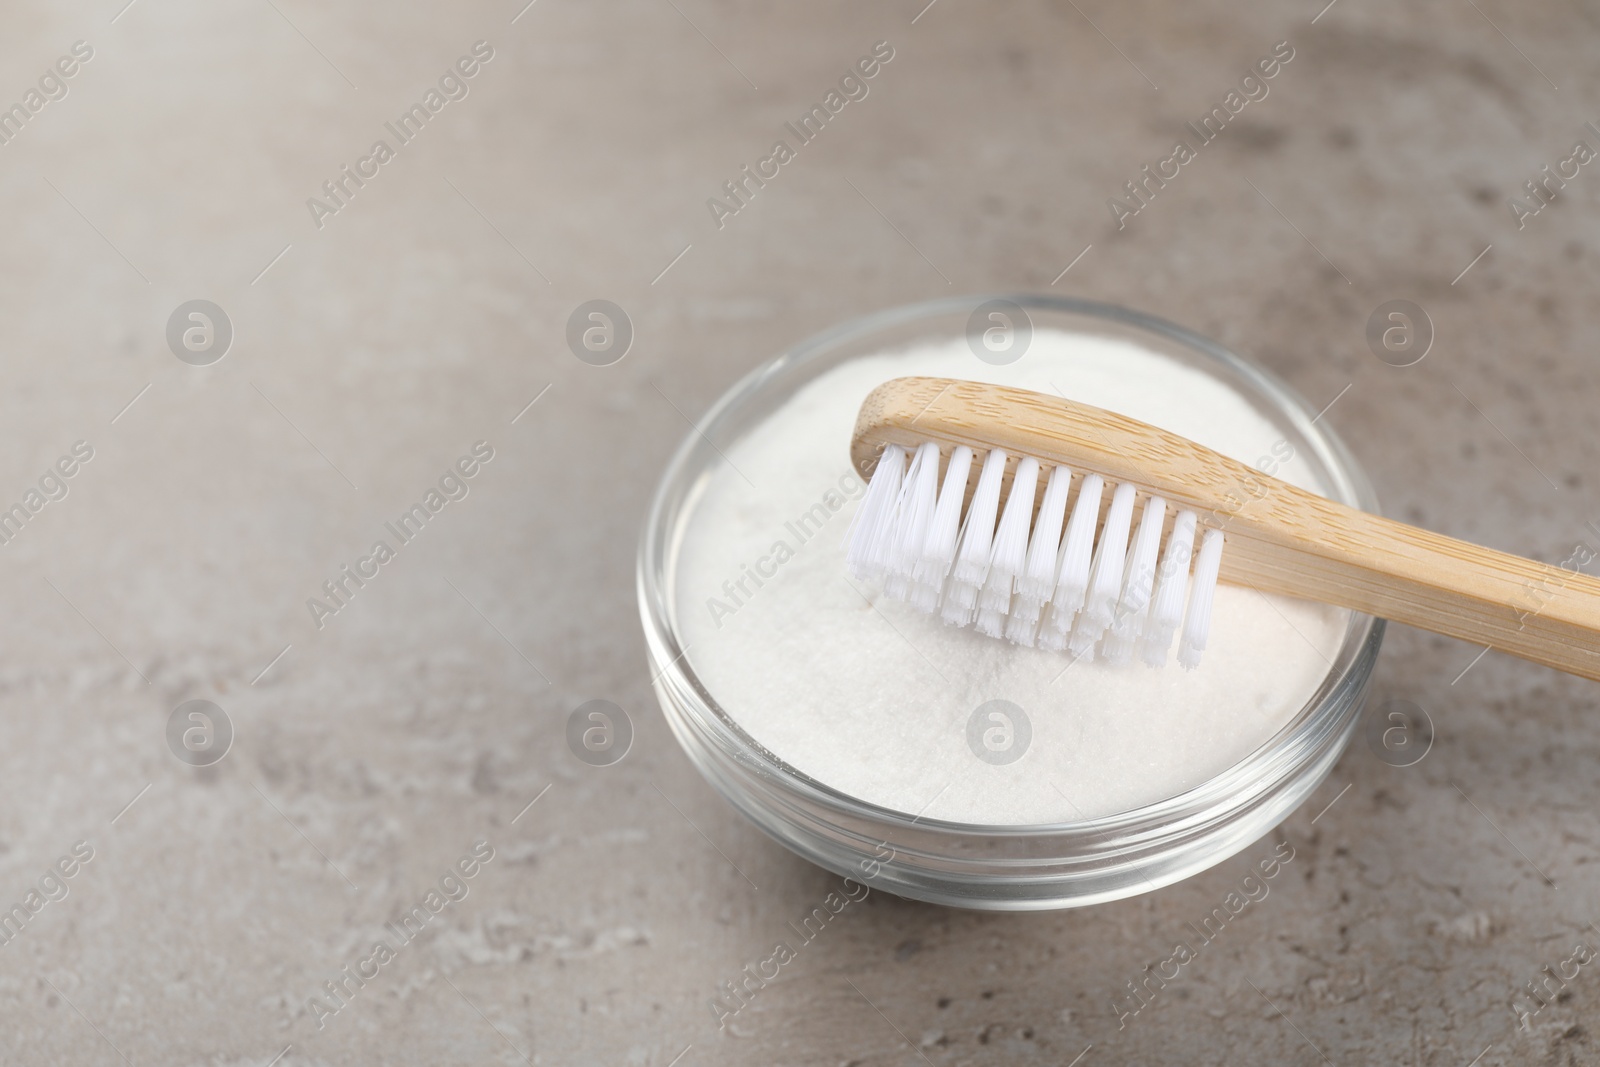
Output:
[[1029, 867]]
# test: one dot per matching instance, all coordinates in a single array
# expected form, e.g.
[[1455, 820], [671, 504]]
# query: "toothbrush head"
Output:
[[1018, 540]]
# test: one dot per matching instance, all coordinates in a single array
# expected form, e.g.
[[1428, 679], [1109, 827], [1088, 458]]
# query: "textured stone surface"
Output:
[[425, 314]]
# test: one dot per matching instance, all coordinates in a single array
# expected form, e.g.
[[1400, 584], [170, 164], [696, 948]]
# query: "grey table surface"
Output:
[[374, 344]]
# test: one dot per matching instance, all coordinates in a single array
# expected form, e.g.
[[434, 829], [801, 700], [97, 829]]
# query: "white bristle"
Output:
[[869, 536], [1172, 584], [1038, 579], [1138, 582], [993, 565], [1022, 625], [918, 494], [977, 538], [989, 621], [1197, 623], [1105, 574], [1116, 648], [1076, 553], [1009, 554], [1072, 567], [924, 597], [1038, 576], [1050, 638], [939, 547]]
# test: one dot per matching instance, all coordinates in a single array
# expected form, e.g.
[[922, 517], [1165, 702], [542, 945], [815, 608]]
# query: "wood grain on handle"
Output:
[[1281, 538]]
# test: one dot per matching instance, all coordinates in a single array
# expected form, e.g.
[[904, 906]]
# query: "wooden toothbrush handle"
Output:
[[1280, 538], [1547, 614]]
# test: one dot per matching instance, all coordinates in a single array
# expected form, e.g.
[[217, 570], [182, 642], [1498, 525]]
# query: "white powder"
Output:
[[873, 699]]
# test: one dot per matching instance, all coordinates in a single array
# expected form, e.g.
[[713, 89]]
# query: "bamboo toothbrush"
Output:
[[993, 544]]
